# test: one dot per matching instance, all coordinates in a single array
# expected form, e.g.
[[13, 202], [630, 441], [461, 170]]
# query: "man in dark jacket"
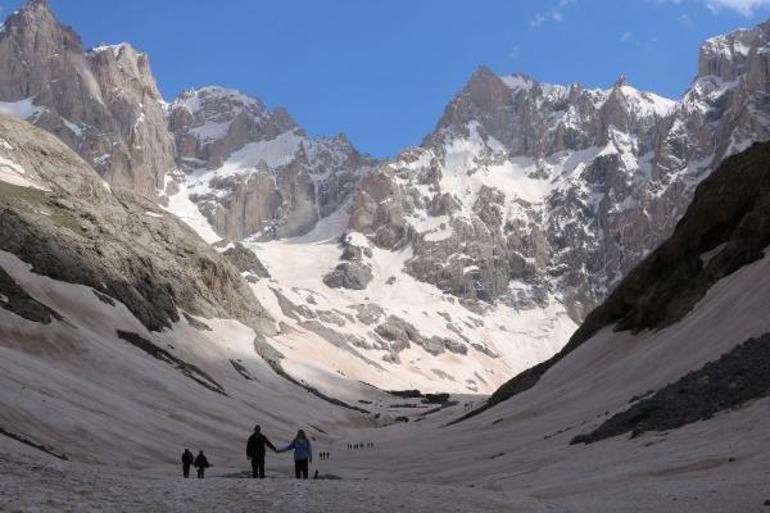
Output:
[[187, 459], [255, 451], [201, 463]]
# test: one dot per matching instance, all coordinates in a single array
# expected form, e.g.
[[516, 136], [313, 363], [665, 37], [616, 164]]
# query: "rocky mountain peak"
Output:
[[740, 52], [620, 82], [258, 174], [283, 118], [529, 118], [212, 122], [213, 100], [485, 99], [33, 36], [33, 10], [527, 191], [36, 18], [124, 64]]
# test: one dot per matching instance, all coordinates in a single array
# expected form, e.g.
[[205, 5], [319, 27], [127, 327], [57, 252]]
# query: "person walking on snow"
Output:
[[303, 454], [255, 451], [201, 463], [187, 460]]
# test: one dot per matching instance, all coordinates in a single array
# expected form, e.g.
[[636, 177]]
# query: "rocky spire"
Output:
[[730, 55], [105, 105], [486, 99]]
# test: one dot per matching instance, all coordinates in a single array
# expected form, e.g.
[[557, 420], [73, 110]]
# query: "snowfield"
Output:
[[85, 393], [518, 339]]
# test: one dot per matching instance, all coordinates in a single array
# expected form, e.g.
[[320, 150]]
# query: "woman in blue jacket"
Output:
[[303, 454]]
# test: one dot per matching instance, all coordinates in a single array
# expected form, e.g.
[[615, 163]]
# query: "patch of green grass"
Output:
[[30, 201]]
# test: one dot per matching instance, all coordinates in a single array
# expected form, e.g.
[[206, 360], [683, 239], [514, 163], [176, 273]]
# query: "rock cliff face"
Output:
[[103, 102]]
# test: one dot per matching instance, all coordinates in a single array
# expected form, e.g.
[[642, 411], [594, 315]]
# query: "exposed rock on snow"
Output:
[[739, 376], [245, 261], [189, 370], [14, 299], [354, 272]]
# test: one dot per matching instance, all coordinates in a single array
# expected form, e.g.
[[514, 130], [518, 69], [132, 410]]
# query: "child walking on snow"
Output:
[[201, 464]]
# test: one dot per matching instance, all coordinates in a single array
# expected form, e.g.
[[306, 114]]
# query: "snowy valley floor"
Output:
[[515, 457], [61, 487], [703, 480]]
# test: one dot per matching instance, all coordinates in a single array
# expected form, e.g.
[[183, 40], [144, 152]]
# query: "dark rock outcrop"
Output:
[[740, 376], [245, 260], [16, 300], [191, 371], [349, 275], [726, 227], [353, 272]]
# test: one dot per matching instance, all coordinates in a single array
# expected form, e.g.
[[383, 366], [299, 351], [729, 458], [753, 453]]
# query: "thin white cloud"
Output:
[[555, 14], [537, 20], [685, 20], [514, 52], [744, 7], [626, 36]]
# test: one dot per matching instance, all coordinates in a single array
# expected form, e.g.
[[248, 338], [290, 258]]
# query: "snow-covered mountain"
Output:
[[544, 190], [658, 402], [463, 261], [527, 204]]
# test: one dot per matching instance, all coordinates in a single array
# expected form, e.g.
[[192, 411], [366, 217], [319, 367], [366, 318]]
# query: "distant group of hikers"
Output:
[[367, 445], [256, 449]]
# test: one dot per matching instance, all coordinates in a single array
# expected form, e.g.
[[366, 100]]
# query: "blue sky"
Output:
[[383, 71]]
